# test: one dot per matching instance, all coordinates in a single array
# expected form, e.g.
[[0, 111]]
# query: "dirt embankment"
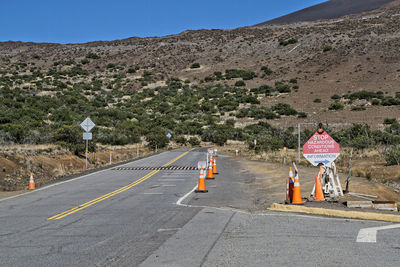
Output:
[[49, 163]]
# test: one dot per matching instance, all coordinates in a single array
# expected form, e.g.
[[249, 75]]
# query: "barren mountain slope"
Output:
[[330, 10], [354, 53]]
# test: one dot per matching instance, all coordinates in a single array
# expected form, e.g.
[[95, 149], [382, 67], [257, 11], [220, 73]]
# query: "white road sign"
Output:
[[87, 136], [201, 164], [87, 124], [169, 135]]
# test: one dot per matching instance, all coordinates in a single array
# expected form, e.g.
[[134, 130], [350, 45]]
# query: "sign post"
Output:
[[87, 125]]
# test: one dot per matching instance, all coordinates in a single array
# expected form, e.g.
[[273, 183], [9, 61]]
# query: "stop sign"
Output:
[[321, 149]]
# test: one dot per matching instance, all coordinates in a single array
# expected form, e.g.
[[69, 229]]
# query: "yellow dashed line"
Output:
[[113, 193]]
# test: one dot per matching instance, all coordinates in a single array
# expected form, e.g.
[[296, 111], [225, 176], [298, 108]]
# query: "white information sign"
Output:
[[87, 136]]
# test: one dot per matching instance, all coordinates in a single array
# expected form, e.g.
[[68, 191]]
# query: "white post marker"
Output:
[[110, 157]]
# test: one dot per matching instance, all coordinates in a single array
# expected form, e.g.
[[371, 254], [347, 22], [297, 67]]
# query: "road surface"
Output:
[[139, 215]]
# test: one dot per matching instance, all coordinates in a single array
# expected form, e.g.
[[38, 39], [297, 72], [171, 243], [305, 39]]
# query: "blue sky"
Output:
[[77, 21]]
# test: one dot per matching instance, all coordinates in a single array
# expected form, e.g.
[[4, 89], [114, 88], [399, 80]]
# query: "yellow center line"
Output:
[[113, 193]]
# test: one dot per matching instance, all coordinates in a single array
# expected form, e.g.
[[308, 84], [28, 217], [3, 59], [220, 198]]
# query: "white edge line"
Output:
[[179, 202]]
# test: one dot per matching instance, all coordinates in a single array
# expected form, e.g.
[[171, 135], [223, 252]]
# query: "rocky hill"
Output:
[[323, 63]]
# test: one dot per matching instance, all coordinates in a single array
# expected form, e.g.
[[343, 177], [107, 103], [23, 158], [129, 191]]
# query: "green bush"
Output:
[[195, 65], [389, 121], [284, 109], [70, 137], [287, 42], [194, 141], [240, 83], [317, 100], [266, 70], [157, 139], [92, 56], [336, 106], [393, 156], [181, 140], [327, 48]]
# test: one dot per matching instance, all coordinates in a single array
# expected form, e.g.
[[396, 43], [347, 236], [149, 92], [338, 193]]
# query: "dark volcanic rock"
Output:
[[329, 10]]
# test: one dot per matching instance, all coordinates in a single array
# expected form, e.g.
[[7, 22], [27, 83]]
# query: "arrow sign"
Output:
[[321, 149], [87, 124]]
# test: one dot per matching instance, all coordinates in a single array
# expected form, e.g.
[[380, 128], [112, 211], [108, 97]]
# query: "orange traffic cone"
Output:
[[291, 182], [31, 183], [210, 171], [215, 167], [319, 195], [202, 186], [296, 191]]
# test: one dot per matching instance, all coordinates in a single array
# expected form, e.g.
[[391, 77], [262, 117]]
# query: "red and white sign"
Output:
[[321, 149]]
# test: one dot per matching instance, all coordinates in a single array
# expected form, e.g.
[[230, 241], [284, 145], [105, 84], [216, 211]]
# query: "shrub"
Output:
[[244, 74], [393, 156], [181, 140], [302, 115], [336, 106], [389, 121], [157, 139], [92, 56], [335, 97], [70, 137], [358, 108], [361, 142], [194, 141], [266, 70], [327, 48], [287, 42], [284, 109], [195, 65], [282, 88], [317, 100], [240, 83]]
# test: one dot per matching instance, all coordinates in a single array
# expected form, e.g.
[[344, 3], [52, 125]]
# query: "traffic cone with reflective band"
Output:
[[319, 194], [31, 183], [210, 170], [215, 167], [201, 186], [296, 191], [291, 182]]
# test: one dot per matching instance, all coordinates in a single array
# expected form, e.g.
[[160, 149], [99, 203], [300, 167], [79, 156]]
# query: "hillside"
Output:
[[337, 72], [331, 9]]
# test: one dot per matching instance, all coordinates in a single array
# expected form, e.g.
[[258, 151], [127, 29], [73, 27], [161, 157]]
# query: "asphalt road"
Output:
[[150, 218]]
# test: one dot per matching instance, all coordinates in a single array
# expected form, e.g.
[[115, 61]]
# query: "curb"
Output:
[[336, 213]]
